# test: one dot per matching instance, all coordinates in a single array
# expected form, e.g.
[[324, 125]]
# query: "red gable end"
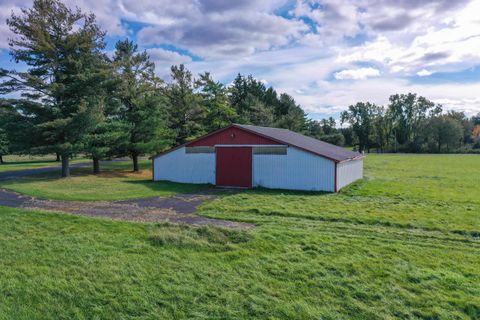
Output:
[[231, 135]]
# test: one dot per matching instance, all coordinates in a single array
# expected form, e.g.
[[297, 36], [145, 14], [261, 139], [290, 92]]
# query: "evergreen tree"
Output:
[[142, 108], [288, 114], [218, 112], [105, 140], [4, 143], [251, 99], [62, 49], [186, 112]]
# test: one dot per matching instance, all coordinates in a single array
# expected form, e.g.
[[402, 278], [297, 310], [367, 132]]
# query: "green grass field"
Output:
[[402, 244], [116, 182]]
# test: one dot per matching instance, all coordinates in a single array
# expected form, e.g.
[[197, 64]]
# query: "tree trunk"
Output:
[[96, 166], [58, 157], [65, 165], [1, 159], [135, 162]]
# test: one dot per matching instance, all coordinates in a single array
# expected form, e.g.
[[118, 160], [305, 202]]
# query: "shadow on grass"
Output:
[[121, 171], [273, 192], [174, 187]]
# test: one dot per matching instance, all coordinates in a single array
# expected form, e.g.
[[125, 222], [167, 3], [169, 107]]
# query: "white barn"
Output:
[[250, 156]]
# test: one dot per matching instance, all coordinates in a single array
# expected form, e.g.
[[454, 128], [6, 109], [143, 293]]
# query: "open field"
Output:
[[404, 243]]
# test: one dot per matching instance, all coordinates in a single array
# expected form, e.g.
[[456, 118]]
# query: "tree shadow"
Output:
[[173, 187], [286, 192], [177, 187]]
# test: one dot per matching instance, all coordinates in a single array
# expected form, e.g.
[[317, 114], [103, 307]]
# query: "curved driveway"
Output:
[[177, 209]]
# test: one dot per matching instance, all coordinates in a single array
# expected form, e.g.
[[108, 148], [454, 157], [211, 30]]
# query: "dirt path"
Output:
[[177, 209]]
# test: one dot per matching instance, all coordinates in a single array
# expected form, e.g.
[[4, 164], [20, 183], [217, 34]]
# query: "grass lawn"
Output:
[[400, 244], [116, 182]]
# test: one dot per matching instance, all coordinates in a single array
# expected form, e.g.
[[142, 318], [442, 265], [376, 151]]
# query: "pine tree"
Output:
[[289, 115], [142, 106], [218, 111], [3, 144], [186, 112], [105, 140], [62, 49]]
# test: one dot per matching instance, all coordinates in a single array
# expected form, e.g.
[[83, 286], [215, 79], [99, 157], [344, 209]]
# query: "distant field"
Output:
[[402, 244], [15, 163], [26, 158]]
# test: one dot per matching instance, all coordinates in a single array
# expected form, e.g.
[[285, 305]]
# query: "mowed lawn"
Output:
[[116, 182], [403, 243]]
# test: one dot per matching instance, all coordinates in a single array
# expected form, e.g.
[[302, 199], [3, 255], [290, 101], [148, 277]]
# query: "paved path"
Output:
[[8, 175], [178, 209]]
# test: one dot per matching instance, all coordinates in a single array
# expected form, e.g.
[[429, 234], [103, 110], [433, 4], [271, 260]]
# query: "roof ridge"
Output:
[[302, 141], [252, 125]]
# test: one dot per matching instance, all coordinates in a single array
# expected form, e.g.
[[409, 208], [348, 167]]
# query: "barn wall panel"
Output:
[[179, 166], [348, 172], [232, 136], [297, 170]]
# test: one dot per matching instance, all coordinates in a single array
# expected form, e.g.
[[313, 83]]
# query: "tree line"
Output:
[[74, 98], [411, 123]]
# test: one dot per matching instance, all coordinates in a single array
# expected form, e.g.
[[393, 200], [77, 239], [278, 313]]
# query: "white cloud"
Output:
[[396, 38], [424, 73], [357, 74], [449, 44], [164, 59], [167, 56], [213, 35]]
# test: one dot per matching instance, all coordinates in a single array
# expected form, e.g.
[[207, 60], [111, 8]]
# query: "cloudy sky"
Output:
[[327, 54]]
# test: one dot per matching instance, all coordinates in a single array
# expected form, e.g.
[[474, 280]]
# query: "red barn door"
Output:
[[234, 167]]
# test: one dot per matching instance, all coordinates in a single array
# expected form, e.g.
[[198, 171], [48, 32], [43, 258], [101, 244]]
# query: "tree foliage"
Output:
[[141, 105], [185, 111], [218, 112], [361, 117], [62, 49], [72, 98], [410, 123]]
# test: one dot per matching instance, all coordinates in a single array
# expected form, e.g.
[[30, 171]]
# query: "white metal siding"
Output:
[[298, 170], [179, 166], [348, 172]]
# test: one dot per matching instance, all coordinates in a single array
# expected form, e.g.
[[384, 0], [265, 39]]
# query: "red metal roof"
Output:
[[310, 144], [283, 136]]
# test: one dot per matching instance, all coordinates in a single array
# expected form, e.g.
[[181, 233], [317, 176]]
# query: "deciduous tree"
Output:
[[361, 117]]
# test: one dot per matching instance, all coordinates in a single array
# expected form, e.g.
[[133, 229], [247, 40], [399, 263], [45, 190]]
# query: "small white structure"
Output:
[[250, 156]]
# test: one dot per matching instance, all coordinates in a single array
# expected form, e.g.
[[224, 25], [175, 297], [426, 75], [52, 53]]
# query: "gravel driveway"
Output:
[[179, 208]]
